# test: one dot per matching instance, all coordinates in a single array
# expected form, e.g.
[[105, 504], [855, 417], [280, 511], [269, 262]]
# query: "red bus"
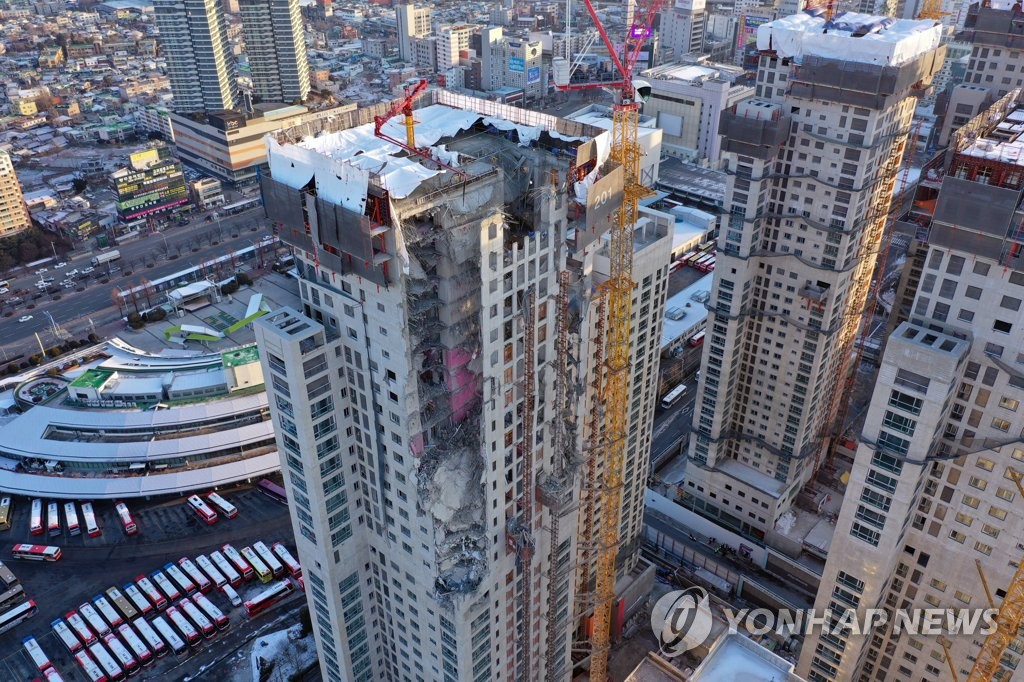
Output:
[[153, 594], [210, 570], [202, 509], [98, 625], [81, 629], [130, 527], [106, 610], [169, 635], [194, 574], [89, 667], [141, 651], [223, 505], [273, 491], [153, 640], [264, 553], [211, 610], [183, 626], [52, 675], [697, 339], [36, 522], [123, 656], [89, 516], [65, 635], [196, 615], [72, 518], [268, 597], [180, 580], [36, 552], [161, 581], [107, 662], [285, 556], [138, 599], [225, 567], [239, 562], [35, 652]]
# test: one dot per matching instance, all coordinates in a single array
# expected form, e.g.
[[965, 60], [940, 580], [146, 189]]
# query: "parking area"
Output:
[[168, 530]]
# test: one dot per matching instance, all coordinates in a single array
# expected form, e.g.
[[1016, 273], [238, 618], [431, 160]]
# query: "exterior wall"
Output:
[[413, 22], [194, 40], [13, 213], [682, 27], [277, 49]]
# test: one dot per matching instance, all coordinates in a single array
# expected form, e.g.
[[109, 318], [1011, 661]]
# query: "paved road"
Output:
[[168, 531], [144, 257], [672, 426]]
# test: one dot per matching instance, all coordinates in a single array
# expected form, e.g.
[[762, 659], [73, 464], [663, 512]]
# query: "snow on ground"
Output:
[[285, 651]]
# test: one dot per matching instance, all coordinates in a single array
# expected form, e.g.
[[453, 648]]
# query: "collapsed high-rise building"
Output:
[[436, 399]]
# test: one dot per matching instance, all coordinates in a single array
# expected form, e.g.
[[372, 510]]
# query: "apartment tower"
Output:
[[276, 47], [429, 396], [13, 213], [413, 22], [193, 35], [812, 161], [932, 498]]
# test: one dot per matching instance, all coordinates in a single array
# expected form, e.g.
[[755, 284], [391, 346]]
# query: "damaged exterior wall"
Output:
[[408, 485]]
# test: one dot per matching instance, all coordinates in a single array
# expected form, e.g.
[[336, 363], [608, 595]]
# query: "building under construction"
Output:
[[812, 163], [932, 516], [437, 399]]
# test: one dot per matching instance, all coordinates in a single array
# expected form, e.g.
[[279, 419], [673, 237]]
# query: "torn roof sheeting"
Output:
[[354, 153]]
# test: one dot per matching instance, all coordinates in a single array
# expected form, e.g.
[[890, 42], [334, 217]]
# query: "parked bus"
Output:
[[5, 513], [83, 631], [107, 611], [65, 635], [121, 653], [202, 509], [286, 557], [92, 671], [52, 519], [264, 553], [35, 652], [17, 615], [194, 574], [98, 625], [697, 339], [36, 552], [8, 597], [225, 507], [161, 581], [138, 647], [89, 516], [211, 610], [180, 580], [236, 559], [190, 634], [261, 570], [138, 600], [268, 597], [36, 522], [273, 491], [130, 527], [708, 265], [153, 641], [198, 618], [7, 577], [153, 594], [72, 518], [673, 396], [210, 570], [107, 662], [121, 603], [225, 567], [52, 675], [699, 262]]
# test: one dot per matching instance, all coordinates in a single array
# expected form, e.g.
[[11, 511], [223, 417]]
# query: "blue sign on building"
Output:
[[533, 75], [517, 64]]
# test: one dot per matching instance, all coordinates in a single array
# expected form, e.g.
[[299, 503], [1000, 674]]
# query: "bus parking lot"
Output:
[[168, 529]]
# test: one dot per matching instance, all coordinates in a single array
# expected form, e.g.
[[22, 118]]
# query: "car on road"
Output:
[[41, 271], [87, 270], [62, 264], [24, 318], [48, 280], [4, 290]]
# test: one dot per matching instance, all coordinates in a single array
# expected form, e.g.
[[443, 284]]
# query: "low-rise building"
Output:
[[206, 193]]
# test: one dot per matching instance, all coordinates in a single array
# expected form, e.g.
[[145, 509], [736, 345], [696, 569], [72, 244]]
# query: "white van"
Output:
[[230, 593]]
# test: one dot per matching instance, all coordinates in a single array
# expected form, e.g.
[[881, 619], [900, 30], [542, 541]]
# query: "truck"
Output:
[[106, 257]]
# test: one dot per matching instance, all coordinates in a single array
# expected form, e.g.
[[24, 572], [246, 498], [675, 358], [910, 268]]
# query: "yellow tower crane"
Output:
[[625, 150]]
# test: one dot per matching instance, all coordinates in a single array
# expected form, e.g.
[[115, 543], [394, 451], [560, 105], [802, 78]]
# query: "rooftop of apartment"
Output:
[[694, 73], [1003, 143], [851, 37]]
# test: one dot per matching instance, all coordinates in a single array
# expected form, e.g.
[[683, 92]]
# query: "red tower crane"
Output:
[[404, 106]]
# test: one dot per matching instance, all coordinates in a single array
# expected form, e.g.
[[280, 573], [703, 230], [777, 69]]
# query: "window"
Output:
[[1009, 403], [866, 534], [912, 380], [1010, 303], [971, 501], [1002, 326], [907, 403], [977, 482], [957, 536], [997, 513], [955, 265], [890, 443], [974, 292], [1001, 424], [899, 423], [983, 548], [963, 596]]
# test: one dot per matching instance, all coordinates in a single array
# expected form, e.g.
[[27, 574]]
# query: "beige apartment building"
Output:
[[13, 213]]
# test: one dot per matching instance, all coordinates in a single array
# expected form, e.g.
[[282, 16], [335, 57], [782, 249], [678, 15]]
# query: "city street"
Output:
[[168, 530], [149, 257]]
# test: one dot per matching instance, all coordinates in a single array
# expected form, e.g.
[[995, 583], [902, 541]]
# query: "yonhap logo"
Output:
[[681, 620]]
